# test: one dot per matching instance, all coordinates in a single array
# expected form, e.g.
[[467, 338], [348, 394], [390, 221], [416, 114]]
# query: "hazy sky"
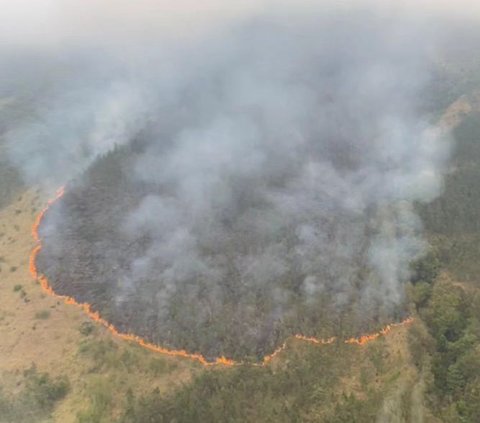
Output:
[[55, 22]]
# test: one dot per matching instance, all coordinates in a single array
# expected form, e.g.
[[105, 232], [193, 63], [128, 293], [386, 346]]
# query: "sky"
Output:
[[52, 23]]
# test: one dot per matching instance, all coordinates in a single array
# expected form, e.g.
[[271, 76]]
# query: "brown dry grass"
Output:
[[53, 342]]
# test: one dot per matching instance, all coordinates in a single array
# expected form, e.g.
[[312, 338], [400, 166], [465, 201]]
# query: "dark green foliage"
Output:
[[299, 391], [424, 272], [44, 390], [451, 311], [451, 318], [447, 313], [87, 328], [421, 293], [36, 400], [426, 269]]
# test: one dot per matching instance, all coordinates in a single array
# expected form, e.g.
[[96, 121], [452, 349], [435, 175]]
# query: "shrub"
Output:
[[42, 315], [86, 328], [44, 390]]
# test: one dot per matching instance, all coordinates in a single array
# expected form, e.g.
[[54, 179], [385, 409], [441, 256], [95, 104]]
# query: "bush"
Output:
[[44, 390], [42, 315], [426, 269], [421, 293], [37, 399], [87, 328]]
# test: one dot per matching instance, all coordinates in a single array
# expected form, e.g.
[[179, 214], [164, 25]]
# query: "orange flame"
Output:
[[95, 316], [364, 339], [271, 356]]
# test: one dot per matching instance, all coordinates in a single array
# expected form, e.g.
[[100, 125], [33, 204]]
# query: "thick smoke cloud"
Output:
[[84, 107], [283, 148], [292, 148]]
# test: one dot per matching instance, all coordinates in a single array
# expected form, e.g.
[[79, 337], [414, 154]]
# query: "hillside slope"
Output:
[[56, 365]]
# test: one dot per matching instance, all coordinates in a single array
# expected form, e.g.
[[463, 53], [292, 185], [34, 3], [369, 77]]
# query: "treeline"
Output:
[[306, 387], [450, 351], [449, 304]]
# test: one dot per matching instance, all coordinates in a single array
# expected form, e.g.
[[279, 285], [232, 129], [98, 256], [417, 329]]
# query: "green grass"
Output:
[[37, 398], [99, 392]]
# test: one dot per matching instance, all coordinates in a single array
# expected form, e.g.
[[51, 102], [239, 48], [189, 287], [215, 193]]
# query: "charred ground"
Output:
[[86, 254]]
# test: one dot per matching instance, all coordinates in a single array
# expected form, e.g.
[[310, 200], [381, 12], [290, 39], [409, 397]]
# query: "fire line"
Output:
[[224, 361]]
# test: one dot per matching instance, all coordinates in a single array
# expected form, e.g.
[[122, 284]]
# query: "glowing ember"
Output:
[[95, 316]]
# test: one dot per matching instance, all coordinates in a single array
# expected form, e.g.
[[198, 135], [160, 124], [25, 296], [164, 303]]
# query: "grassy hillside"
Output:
[[58, 366]]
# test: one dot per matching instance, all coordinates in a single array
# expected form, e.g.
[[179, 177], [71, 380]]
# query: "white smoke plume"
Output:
[[286, 143]]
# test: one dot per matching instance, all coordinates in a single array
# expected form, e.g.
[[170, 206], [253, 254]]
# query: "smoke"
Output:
[[292, 149], [53, 24], [74, 117], [286, 150]]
